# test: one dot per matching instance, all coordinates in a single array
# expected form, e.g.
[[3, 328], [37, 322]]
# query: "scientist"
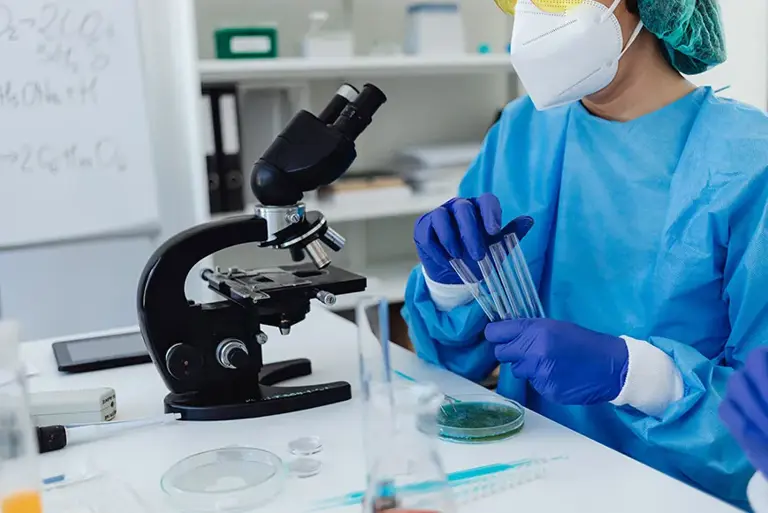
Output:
[[650, 243], [745, 411]]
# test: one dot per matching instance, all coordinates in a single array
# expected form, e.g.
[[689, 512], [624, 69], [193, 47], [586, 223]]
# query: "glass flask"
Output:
[[20, 484], [404, 472]]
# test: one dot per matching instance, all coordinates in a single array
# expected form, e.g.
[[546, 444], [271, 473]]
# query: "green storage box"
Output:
[[246, 43]]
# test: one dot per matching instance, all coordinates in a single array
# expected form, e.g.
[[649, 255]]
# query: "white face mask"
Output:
[[561, 58]]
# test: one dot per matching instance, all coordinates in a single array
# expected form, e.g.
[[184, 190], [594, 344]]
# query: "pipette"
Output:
[[53, 438]]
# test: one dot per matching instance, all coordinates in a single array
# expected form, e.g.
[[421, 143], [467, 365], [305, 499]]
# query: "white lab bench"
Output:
[[593, 478]]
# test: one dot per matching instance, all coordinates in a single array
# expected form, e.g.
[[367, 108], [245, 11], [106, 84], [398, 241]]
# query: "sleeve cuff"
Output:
[[447, 297], [757, 492], [653, 380]]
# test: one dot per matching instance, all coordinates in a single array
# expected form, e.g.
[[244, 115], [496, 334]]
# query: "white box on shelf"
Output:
[[434, 29]]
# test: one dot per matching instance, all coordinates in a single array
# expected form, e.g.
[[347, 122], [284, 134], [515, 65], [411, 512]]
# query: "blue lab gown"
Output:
[[654, 228]]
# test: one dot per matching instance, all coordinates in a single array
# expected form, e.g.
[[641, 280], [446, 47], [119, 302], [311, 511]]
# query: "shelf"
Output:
[[373, 204], [236, 70], [384, 280]]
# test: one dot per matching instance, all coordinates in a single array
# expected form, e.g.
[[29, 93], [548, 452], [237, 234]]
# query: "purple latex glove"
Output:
[[460, 229], [565, 363], [744, 409]]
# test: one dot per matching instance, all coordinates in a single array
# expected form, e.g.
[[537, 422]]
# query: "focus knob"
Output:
[[232, 354], [183, 361]]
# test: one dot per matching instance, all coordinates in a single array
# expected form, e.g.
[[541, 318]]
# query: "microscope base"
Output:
[[269, 400]]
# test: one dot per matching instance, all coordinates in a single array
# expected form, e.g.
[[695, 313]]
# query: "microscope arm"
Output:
[[161, 286]]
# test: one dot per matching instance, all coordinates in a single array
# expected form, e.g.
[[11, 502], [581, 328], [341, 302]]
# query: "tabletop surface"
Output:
[[590, 478]]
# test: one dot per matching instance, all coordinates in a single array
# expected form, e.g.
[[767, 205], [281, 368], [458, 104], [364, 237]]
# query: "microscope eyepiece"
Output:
[[340, 100], [358, 114]]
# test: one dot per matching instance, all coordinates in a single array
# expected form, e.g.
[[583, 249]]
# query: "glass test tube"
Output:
[[506, 290], [20, 485]]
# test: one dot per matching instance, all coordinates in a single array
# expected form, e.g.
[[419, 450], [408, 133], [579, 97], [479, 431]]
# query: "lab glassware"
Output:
[[403, 468], [479, 418], [230, 479], [505, 289], [20, 484]]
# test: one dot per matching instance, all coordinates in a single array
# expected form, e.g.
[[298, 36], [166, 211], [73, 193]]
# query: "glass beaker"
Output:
[[20, 484], [403, 469]]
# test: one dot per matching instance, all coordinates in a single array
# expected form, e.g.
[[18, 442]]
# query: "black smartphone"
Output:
[[101, 351]]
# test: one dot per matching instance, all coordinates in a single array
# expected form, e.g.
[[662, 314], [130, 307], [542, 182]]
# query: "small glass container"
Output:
[[230, 479], [20, 486], [479, 418]]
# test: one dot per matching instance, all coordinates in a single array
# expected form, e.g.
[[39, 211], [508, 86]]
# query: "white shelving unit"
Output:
[[374, 204], [432, 100], [216, 71]]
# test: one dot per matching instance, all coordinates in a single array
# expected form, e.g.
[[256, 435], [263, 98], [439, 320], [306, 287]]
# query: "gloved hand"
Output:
[[744, 409], [459, 229], [565, 363]]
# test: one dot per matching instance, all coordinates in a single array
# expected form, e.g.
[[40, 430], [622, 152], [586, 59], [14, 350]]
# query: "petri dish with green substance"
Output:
[[479, 418]]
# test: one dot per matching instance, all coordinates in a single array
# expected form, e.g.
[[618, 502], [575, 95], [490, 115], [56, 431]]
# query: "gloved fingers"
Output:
[[744, 394], [446, 230], [744, 431], [510, 353], [490, 211], [470, 229], [427, 240], [526, 368], [521, 226], [503, 332]]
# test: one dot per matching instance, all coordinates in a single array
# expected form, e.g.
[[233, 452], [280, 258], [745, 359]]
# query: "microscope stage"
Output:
[[302, 281]]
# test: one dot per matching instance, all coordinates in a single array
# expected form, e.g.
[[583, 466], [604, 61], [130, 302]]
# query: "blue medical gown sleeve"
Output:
[[690, 434], [454, 340]]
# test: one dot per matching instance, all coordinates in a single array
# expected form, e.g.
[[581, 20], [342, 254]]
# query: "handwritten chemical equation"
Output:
[[76, 41], [104, 155], [44, 93]]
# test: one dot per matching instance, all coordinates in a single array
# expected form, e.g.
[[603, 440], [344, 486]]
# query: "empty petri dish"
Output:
[[230, 479], [304, 467], [479, 418], [305, 446]]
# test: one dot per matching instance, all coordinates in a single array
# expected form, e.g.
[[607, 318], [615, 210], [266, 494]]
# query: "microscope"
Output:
[[209, 355]]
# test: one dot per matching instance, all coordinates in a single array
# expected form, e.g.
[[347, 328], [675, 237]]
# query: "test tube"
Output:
[[19, 473], [506, 290], [476, 287], [528, 293]]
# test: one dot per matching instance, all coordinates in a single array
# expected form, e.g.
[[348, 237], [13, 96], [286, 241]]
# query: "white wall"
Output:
[[746, 71]]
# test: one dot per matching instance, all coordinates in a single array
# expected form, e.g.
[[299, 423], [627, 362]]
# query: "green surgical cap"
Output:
[[691, 30]]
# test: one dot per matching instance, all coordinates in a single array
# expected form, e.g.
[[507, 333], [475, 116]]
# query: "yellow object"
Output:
[[554, 6], [557, 6], [508, 6], [22, 502]]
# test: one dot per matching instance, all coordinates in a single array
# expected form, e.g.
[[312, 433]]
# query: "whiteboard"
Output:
[[75, 158]]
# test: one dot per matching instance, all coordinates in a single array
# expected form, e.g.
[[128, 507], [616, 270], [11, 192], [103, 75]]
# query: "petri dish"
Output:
[[479, 418], [304, 467], [230, 479], [305, 446]]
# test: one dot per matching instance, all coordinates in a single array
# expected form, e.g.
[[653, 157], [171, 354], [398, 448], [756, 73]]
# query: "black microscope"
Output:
[[209, 355]]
